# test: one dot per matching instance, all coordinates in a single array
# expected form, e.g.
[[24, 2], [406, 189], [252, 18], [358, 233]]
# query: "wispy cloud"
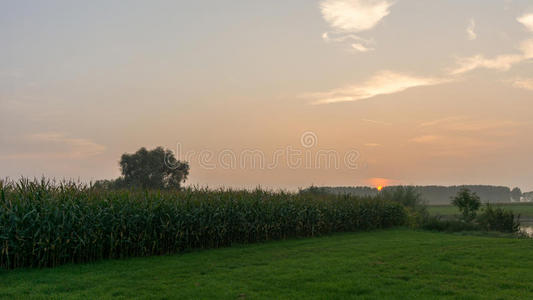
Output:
[[442, 121], [383, 83], [451, 145], [59, 145], [424, 139], [470, 30], [354, 15], [376, 122], [463, 136], [467, 124], [358, 44], [337, 37], [527, 21], [77, 147], [361, 48], [347, 17], [500, 62], [523, 83]]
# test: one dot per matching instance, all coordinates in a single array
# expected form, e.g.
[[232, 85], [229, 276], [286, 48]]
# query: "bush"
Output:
[[44, 224], [409, 197], [417, 217], [498, 219], [491, 219], [437, 224]]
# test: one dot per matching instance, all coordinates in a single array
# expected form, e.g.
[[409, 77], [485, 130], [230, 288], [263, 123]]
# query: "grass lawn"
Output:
[[384, 264], [524, 209]]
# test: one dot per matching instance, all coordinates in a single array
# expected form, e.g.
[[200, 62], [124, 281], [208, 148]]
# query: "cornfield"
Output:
[[46, 224]]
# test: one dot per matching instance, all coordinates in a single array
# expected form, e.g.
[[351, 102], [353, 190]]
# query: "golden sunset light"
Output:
[[333, 141]]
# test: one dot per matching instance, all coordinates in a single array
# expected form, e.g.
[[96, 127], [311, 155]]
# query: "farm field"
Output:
[[42, 225], [524, 209], [395, 263]]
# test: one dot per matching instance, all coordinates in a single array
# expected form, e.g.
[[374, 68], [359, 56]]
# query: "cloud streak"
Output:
[[60, 146], [376, 122], [463, 135], [348, 17], [361, 48], [424, 139], [501, 62], [382, 83], [466, 124], [451, 145], [523, 83]]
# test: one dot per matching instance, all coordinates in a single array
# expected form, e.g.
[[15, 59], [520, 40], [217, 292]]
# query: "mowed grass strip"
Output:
[[396, 263]]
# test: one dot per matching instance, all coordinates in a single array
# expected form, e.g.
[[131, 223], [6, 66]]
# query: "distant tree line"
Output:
[[432, 194]]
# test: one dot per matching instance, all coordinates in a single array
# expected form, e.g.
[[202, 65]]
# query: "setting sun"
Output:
[[379, 188]]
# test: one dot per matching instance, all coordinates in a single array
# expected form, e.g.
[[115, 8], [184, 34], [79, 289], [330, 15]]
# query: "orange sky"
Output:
[[398, 92]]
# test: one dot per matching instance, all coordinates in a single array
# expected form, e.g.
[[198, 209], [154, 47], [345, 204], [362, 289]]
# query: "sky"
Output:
[[278, 94]]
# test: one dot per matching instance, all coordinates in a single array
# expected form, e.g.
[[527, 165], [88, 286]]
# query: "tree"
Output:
[[516, 194], [468, 203], [153, 169]]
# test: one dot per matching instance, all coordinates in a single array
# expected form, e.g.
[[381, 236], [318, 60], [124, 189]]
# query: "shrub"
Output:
[[44, 224], [498, 219], [411, 199], [491, 219], [452, 225]]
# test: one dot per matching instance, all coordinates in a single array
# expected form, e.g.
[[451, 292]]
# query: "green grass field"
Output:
[[381, 264], [524, 209]]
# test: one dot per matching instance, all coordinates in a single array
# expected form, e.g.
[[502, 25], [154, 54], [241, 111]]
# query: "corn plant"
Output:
[[46, 224]]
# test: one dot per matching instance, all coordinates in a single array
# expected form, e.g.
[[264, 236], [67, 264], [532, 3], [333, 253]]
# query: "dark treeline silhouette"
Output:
[[432, 194]]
